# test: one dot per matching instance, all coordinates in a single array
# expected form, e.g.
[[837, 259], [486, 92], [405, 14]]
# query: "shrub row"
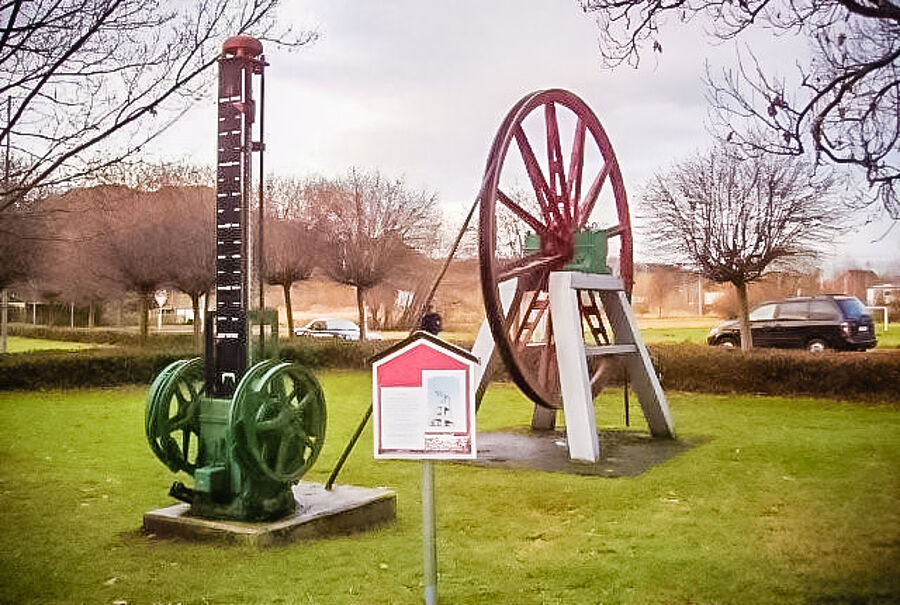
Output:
[[869, 377], [106, 336], [108, 367], [92, 368], [872, 377]]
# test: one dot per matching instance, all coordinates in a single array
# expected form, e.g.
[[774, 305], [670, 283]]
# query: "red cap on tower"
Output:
[[242, 46]]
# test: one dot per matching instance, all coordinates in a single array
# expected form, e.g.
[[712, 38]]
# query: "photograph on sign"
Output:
[[446, 400]]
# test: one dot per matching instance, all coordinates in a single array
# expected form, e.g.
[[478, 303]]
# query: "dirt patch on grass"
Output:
[[622, 453]]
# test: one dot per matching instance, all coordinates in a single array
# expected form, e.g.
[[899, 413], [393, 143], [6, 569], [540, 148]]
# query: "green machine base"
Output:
[[243, 453]]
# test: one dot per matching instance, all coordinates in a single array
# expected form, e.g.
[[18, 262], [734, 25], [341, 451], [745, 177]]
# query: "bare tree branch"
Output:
[[845, 113], [89, 82]]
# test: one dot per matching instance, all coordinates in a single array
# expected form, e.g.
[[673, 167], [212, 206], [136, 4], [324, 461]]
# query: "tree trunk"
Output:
[[289, 312], [90, 316], [746, 335], [198, 323], [361, 305], [142, 317]]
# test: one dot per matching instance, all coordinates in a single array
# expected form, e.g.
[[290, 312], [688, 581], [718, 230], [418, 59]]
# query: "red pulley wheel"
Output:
[[551, 172]]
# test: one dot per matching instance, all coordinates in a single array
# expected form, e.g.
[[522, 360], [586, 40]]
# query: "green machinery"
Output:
[[245, 433], [244, 452]]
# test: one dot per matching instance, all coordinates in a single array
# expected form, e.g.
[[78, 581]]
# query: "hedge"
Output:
[[871, 377], [89, 368], [865, 377], [107, 336]]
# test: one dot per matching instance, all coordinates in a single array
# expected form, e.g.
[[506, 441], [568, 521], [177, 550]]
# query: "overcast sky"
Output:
[[418, 89]]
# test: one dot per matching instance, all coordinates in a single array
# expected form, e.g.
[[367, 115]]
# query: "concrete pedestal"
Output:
[[343, 510]]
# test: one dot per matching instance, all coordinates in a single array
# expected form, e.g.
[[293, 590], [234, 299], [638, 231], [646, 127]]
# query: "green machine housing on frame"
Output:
[[590, 250]]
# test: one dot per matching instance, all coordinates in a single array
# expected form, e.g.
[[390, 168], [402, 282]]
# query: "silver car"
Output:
[[343, 329]]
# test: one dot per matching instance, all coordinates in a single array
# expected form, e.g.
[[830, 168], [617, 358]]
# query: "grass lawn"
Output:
[[17, 344], [785, 501]]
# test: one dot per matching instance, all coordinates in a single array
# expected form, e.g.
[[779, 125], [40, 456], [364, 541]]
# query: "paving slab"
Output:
[[622, 453], [320, 513]]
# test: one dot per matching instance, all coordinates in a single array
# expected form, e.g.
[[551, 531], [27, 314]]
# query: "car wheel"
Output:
[[816, 345], [727, 343]]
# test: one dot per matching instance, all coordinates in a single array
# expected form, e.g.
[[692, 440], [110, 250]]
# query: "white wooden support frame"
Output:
[[572, 354]]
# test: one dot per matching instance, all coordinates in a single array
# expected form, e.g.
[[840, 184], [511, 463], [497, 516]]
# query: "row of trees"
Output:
[[91, 245]]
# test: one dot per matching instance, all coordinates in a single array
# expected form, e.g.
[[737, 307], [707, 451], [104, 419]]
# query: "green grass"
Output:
[[18, 344], [889, 339], [674, 335], [785, 501]]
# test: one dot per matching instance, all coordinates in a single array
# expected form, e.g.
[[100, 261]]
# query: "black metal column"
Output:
[[232, 223]]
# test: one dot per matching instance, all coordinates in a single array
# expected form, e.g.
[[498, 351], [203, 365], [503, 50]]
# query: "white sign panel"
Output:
[[424, 406]]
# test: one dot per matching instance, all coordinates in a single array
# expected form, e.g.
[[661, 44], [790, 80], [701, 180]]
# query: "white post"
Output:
[[884, 311], [700, 295], [428, 533], [483, 348], [578, 401]]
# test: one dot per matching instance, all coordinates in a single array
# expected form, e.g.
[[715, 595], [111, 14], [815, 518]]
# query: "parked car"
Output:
[[334, 328], [815, 323]]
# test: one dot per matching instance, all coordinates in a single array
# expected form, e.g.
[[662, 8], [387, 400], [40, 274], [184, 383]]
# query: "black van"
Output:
[[815, 323]]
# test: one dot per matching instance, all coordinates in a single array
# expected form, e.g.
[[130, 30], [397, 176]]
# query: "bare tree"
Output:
[[658, 284], [19, 229], [366, 222], [88, 82], [191, 236], [733, 218], [135, 248], [847, 106], [291, 246]]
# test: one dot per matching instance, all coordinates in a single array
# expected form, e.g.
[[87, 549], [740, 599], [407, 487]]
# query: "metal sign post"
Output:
[[429, 538], [423, 394]]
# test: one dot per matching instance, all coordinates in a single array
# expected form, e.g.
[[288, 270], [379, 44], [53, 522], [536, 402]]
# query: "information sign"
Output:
[[423, 395]]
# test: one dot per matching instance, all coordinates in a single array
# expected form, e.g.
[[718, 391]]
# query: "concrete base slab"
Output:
[[320, 513], [622, 453]]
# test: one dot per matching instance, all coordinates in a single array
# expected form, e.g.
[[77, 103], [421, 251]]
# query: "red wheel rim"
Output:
[[574, 182]]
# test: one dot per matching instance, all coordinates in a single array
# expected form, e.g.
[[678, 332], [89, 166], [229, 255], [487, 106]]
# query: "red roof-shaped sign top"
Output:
[[402, 364]]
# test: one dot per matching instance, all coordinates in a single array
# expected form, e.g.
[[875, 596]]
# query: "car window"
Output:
[[342, 324], [852, 307], [797, 309], [822, 309], [762, 313], [317, 325]]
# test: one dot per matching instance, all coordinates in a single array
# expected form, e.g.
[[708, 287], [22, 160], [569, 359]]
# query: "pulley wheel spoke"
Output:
[[523, 214], [527, 265]]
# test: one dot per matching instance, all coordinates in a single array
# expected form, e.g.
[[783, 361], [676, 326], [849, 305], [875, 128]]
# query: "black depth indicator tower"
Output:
[[241, 59]]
